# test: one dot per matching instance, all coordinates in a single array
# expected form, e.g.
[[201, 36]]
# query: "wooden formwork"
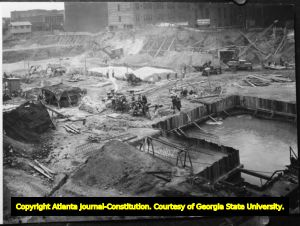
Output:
[[232, 160], [230, 102]]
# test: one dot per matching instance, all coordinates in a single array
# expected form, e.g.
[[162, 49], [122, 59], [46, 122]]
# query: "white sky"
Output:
[[7, 7]]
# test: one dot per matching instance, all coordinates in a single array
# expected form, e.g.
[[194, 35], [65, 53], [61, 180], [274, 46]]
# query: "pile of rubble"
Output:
[[87, 104]]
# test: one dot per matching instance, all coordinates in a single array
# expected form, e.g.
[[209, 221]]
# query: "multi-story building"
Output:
[[23, 27], [116, 15], [41, 20], [86, 16], [5, 24]]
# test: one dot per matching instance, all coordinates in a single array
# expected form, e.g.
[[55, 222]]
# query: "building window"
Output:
[[159, 5], [137, 18], [137, 5], [147, 5], [171, 5], [161, 17], [147, 17], [207, 13], [224, 13], [119, 7], [120, 19]]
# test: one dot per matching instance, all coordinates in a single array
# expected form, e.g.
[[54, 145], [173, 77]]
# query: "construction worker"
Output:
[[144, 99], [184, 71], [113, 74], [140, 98], [281, 61], [178, 103], [184, 92], [174, 103]]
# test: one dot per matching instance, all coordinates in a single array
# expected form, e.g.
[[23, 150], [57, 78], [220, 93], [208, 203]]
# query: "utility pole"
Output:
[[208, 80], [85, 66]]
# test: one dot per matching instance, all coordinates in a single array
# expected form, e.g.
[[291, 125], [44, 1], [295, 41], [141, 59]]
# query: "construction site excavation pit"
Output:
[[256, 137], [263, 144]]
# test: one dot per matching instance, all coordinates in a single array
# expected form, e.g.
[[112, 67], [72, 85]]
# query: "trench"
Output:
[[259, 131]]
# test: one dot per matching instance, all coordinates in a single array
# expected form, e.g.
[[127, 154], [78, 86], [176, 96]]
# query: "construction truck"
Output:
[[238, 64], [209, 69], [55, 70], [112, 53], [34, 69], [132, 79]]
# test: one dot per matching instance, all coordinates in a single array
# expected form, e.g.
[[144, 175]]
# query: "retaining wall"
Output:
[[232, 159], [267, 104], [228, 103], [220, 167]]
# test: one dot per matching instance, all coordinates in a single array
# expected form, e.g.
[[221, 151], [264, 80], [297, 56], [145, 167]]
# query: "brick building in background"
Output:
[[86, 16], [41, 20], [93, 17]]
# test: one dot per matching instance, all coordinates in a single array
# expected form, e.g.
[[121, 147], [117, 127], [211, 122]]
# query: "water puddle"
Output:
[[263, 144]]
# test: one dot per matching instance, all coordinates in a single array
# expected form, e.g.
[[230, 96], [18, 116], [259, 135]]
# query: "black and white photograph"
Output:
[[148, 99]]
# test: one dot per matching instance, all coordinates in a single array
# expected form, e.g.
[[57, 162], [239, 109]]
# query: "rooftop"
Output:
[[20, 23]]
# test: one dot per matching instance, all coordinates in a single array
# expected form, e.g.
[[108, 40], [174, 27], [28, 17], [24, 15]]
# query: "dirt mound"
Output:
[[120, 166], [27, 122]]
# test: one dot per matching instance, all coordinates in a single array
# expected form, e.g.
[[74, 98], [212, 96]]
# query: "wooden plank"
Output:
[[56, 112], [44, 167], [171, 44], [158, 51], [128, 138], [207, 96], [163, 172], [75, 131], [212, 118], [255, 174], [250, 83], [40, 171], [182, 132], [255, 76], [252, 43], [177, 132], [281, 43], [226, 112], [73, 127], [69, 130]]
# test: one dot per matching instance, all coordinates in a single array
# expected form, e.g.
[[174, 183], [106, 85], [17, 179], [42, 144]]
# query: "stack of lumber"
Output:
[[254, 81], [72, 128], [43, 170], [280, 78]]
